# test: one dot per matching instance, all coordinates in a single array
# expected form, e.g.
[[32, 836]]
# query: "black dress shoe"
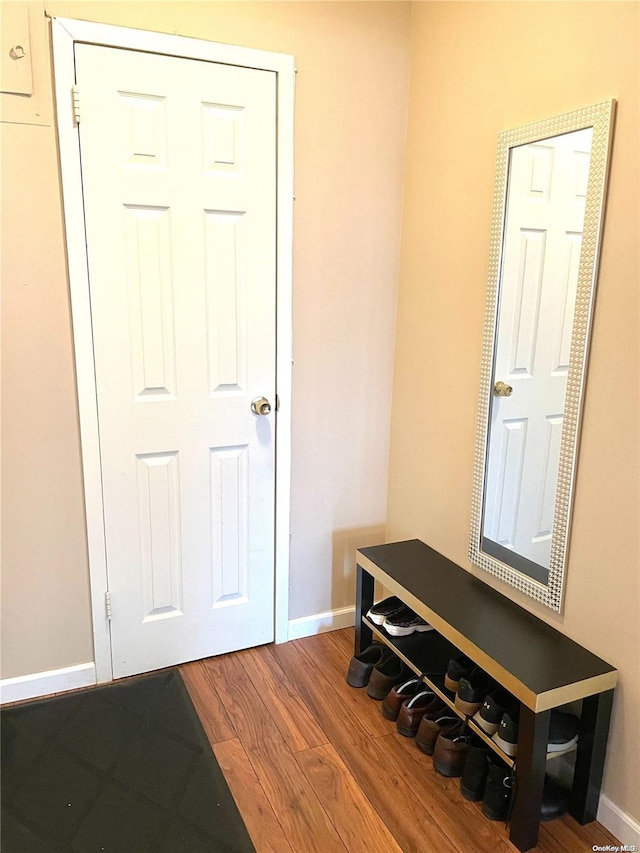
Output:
[[472, 689], [360, 666], [385, 675]]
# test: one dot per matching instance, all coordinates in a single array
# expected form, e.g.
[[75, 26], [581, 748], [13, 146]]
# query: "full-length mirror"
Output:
[[547, 221]]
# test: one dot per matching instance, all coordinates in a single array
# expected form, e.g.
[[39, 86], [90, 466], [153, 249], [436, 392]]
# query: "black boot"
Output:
[[476, 767], [498, 790]]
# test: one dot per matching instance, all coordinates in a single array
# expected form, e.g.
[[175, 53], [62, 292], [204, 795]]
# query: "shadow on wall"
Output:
[[343, 559]]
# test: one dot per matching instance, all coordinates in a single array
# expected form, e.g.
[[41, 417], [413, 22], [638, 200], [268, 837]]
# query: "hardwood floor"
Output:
[[314, 766]]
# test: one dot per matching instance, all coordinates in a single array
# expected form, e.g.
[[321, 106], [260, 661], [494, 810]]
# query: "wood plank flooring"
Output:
[[315, 768]]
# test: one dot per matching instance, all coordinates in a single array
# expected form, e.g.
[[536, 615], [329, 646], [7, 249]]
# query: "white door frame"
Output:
[[65, 33]]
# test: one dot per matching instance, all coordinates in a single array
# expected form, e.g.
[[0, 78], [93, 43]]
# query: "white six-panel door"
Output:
[[546, 202], [179, 183]]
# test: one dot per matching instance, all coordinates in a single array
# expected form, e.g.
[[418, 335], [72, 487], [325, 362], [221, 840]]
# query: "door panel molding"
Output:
[[66, 33]]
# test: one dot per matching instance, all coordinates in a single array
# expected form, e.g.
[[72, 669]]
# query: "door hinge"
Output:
[[75, 98], [107, 604]]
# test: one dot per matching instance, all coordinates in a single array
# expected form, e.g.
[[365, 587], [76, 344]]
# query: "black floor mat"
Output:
[[124, 768]]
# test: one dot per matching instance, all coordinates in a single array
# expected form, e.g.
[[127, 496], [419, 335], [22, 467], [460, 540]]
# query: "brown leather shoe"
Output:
[[430, 727], [360, 666], [385, 675], [399, 694], [413, 710], [450, 751]]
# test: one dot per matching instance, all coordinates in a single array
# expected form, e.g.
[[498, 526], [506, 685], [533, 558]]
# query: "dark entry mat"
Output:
[[125, 768]]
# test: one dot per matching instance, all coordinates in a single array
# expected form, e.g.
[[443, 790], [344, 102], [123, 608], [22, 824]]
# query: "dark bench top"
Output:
[[537, 663]]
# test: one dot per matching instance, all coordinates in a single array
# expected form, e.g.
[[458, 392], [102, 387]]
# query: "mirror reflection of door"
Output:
[[546, 194]]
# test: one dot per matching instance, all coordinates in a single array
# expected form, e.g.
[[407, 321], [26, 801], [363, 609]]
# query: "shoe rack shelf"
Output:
[[416, 650], [419, 652], [541, 667]]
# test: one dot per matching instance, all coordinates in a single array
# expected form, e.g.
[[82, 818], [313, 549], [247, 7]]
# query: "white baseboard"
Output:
[[619, 823], [45, 683], [330, 620]]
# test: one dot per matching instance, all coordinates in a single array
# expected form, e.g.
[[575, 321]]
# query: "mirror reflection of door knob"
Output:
[[260, 406], [501, 389]]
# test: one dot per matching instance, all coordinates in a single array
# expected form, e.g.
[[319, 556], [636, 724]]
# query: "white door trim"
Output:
[[65, 33]]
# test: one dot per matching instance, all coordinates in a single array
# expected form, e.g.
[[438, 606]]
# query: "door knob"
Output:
[[260, 406], [501, 389]]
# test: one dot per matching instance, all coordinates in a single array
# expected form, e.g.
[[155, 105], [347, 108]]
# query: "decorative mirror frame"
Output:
[[600, 117]]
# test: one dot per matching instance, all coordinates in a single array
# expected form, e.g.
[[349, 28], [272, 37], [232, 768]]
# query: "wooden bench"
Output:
[[535, 662]]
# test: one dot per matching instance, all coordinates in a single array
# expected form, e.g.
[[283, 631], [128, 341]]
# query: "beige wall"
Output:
[[46, 620], [351, 106], [477, 69]]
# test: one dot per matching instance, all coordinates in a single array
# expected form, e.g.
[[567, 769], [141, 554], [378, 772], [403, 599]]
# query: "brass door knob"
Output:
[[501, 389], [260, 406]]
